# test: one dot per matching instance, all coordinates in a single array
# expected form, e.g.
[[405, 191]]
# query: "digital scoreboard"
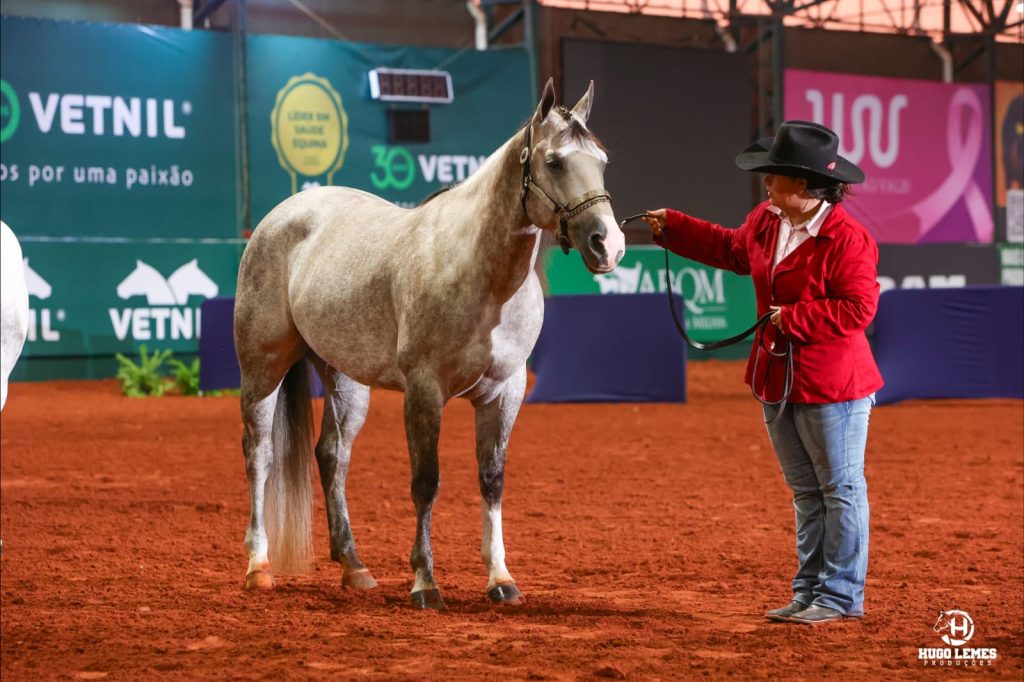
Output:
[[411, 85]]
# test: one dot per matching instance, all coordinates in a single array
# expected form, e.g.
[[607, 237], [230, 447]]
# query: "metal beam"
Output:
[[239, 37], [506, 23], [807, 5], [966, 4], [204, 10], [530, 40]]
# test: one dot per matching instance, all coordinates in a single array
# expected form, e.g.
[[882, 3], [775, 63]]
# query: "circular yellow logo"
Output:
[[309, 128]]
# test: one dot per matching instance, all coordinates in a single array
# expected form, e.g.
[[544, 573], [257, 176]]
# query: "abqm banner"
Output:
[[926, 148]]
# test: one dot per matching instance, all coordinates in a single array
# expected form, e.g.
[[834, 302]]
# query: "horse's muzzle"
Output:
[[604, 246]]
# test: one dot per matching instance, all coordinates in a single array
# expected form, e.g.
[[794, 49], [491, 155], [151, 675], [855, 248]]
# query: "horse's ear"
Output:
[[582, 108], [547, 100]]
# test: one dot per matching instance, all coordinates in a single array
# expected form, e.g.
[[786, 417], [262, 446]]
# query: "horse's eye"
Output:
[[553, 161]]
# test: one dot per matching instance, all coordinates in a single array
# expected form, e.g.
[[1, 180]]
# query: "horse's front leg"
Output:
[[423, 405], [494, 420]]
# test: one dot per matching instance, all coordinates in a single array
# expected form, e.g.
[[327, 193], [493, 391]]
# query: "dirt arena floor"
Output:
[[648, 540]]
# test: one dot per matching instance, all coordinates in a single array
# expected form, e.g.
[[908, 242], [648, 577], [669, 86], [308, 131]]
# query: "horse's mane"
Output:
[[434, 194], [576, 131]]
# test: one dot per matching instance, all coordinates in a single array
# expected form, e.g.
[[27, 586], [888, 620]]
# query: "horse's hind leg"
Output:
[[260, 388], [258, 419], [423, 405], [345, 405], [494, 420]]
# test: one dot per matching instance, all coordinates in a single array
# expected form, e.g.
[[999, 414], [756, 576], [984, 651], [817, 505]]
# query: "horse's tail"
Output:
[[289, 495]]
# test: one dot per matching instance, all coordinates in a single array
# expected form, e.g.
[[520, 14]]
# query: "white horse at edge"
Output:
[[13, 306]]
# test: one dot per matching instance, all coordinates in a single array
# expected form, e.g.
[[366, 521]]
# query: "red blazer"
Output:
[[827, 289]]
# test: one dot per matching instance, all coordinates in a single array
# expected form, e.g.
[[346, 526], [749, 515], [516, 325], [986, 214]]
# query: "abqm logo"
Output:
[[166, 314], [705, 289]]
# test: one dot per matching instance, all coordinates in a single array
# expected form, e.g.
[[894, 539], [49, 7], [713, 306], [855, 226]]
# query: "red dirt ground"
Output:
[[648, 539]]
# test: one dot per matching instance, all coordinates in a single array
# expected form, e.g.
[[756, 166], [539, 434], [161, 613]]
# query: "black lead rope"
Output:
[[758, 327]]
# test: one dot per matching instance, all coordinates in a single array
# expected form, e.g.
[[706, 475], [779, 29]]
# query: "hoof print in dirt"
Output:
[[428, 599], [505, 593]]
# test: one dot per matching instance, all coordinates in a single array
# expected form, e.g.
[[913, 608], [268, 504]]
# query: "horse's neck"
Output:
[[504, 243]]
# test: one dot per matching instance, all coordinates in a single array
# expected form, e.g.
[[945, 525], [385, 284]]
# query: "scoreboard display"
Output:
[[411, 85]]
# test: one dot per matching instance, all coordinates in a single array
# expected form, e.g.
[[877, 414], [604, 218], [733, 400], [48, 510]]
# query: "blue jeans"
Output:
[[821, 451]]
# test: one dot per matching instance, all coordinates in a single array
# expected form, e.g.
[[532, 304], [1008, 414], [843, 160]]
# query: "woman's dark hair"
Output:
[[833, 194]]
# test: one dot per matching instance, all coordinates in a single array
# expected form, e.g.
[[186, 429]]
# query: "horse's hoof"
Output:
[[360, 579], [428, 599], [259, 580], [505, 593]]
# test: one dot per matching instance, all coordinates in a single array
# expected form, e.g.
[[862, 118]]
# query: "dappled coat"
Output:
[[827, 289]]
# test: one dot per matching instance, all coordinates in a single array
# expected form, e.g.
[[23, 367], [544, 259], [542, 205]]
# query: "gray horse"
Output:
[[440, 301]]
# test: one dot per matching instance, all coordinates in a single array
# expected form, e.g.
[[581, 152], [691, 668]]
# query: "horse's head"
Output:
[[942, 623], [566, 163]]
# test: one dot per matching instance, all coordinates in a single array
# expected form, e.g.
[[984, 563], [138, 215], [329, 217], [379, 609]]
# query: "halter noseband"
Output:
[[564, 213]]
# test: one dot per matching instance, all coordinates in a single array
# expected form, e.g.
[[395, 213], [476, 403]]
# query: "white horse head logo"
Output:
[[37, 286], [188, 280], [146, 281], [621, 280]]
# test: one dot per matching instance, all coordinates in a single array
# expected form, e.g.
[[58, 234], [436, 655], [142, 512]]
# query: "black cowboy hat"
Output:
[[801, 149]]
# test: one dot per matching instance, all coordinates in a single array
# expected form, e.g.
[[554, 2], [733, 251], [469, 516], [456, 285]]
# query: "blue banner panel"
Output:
[[621, 348], [951, 343]]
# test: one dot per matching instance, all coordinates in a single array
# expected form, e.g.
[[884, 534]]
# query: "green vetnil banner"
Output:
[[116, 130], [120, 163], [142, 293], [312, 121]]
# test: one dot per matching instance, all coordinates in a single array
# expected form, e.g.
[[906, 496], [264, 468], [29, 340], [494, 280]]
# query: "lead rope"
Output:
[[759, 327]]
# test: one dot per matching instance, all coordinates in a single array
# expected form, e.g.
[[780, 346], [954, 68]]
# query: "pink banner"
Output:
[[926, 148]]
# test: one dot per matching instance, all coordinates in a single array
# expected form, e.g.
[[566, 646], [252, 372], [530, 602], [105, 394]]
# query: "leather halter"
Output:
[[564, 212]]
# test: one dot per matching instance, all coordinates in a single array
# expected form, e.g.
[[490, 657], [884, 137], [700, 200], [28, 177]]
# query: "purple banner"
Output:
[[926, 148]]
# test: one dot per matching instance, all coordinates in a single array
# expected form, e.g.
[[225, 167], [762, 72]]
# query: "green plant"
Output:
[[186, 377], [221, 392], [143, 379]]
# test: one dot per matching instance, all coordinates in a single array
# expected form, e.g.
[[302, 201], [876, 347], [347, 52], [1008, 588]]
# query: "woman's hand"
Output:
[[656, 221], [776, 317]]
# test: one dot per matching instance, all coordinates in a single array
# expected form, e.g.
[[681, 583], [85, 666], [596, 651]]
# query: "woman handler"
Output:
[[815, 267]]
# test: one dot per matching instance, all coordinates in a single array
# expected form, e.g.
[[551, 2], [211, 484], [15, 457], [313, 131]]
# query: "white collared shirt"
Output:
[[792, 236]]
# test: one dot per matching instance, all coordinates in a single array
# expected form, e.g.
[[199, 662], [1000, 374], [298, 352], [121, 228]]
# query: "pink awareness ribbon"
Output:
[[963, 150]]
